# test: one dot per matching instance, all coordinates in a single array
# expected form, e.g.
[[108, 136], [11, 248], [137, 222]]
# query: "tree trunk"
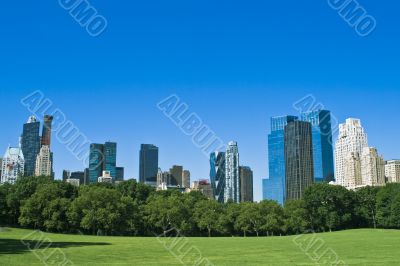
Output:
[[209, 232]]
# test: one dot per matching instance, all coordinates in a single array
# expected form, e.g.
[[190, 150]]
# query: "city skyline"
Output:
[[233, 67]]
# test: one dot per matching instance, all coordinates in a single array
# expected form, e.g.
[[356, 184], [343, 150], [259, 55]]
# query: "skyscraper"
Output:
[[30, 145], [373, 168], [176, 174], [246, 184], [352, 170], [186, 179], [103, 157], [352, 138], [232, 179], [96, 161], [119, 173], [274, 188], [12, 165], [110, 158], [44, 162], [217, 175], [298, 159], [46, 131], [148, 164], [322, 144]]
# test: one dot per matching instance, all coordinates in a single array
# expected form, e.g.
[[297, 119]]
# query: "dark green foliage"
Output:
[[134, 209]]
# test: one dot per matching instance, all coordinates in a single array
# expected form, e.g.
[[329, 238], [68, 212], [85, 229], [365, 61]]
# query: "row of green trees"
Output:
[[134, 209]]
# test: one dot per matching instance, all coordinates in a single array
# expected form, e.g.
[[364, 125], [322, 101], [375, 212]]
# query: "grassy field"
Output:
[[355, 247]]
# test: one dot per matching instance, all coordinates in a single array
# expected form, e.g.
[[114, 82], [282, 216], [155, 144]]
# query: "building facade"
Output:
[[148, 164], [352, 139], [274, 188], [12, 165], [103, 157], [217, 175], [373, 168], [392, 171], [322, 144], [176, 174], [30, 145], [299, 170], [246, 184], [352, 170], [44, 162], [232, 179], [186, 179], [46, 131]]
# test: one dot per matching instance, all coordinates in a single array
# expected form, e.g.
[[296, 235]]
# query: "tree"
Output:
[[366, 206], [295, 217], [273, 215], [207, 214]]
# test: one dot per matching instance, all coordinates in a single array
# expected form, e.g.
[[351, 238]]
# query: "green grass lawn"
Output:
[[355, 247]]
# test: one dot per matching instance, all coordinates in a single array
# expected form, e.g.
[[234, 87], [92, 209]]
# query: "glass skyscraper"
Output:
[[298, 159], [274, 187], [110, 158], [102, 157], [30, 145], [322, 144], [217, 175], [148, 164]]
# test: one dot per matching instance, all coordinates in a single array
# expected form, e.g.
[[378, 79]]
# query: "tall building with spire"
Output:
[[352, 139], [12, 166], [30, 144], [232, 178]]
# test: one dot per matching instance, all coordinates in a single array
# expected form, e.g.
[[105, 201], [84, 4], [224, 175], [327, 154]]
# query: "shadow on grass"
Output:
[[15, 246]]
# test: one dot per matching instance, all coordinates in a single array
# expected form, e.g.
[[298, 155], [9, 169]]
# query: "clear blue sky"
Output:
[[235, 63]]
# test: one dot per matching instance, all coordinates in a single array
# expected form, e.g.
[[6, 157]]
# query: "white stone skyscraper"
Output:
[[12, 165], [372, 168], [351, 139], [43, 162], [232, 180], [352, 171]]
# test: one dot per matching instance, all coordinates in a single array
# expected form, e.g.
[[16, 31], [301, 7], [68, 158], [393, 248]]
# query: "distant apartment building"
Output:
[[13, 164], [204, 186], [176, 174], [73, 181], [74, 175], [392, 171], [299, 170], [352, 170], [148, 164], [105, 177], [373, 168], [186, 178], [44, 162], [246, 184], [232, 179]]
